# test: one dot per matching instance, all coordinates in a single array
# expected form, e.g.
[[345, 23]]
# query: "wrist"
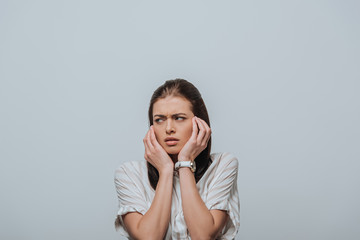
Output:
[[181, 159], [168, 169]]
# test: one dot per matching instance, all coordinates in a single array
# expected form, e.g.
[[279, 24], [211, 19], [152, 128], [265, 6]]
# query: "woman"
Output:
[[181, 191]]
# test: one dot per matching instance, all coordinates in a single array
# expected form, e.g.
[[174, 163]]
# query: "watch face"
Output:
[[193, 166]]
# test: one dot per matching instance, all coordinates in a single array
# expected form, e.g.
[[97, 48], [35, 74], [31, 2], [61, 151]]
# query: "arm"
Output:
[[201, 222], [154, 223]]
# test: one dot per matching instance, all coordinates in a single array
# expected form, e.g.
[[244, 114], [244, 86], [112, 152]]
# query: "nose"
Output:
[[170, 126]]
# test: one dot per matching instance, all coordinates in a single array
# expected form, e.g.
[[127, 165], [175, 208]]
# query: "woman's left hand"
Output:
[[197, 142]]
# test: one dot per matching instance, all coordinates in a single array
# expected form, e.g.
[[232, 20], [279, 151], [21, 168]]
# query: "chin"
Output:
[[172, 150]]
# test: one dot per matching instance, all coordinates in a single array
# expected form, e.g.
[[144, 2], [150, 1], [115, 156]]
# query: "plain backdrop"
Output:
[[280, 80]]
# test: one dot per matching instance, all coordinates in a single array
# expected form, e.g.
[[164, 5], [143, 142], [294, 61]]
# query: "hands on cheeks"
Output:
[[197, 142], [155, 154]]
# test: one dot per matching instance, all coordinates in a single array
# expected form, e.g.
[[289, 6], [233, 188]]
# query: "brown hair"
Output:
[[182, 88]]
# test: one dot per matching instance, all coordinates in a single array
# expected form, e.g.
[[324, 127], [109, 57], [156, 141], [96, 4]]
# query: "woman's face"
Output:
[[172, 120]]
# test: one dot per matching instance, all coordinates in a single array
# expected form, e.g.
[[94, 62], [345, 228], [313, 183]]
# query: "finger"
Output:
[[148, 140], [202, 132], [207, 129], [153, 139], [203, 123], [147, 150], [194, 130]]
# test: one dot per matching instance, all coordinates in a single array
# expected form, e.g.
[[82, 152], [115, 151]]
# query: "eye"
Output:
[[179, 118], [158, 120]]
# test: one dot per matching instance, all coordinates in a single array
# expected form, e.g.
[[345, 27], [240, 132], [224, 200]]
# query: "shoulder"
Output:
[[224, 160], [223, 171], [131, 182], [131, 169]]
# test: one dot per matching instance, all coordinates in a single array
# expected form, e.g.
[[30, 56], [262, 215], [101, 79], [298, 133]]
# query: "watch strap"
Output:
[[189, 164]]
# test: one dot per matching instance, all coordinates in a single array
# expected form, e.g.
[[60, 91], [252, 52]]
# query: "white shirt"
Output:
[[217, 188]]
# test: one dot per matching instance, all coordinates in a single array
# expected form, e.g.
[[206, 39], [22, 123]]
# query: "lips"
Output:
[[171, 141]]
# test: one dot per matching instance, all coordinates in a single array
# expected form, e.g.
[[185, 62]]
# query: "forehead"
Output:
[[171, 105]]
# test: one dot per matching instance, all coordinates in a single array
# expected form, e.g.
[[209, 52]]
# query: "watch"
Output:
[[189, 164]]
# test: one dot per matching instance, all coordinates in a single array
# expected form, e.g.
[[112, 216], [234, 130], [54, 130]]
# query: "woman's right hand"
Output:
[[155, 154]]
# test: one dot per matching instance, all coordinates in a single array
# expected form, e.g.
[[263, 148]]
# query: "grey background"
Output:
[[280, 80]]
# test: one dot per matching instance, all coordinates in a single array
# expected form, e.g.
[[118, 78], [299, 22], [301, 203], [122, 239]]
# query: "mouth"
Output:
[[170, 141]]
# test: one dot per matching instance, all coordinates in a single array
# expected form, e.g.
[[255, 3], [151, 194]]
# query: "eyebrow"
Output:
[[174, 115]]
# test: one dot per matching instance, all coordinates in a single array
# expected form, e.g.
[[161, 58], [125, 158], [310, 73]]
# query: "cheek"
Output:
[[188, 130], [157, 132]]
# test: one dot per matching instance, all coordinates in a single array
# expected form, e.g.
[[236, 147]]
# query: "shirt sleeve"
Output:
[[129, 195], [223, 193]]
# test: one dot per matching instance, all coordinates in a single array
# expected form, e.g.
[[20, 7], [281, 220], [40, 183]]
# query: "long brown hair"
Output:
[[182, 88]]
